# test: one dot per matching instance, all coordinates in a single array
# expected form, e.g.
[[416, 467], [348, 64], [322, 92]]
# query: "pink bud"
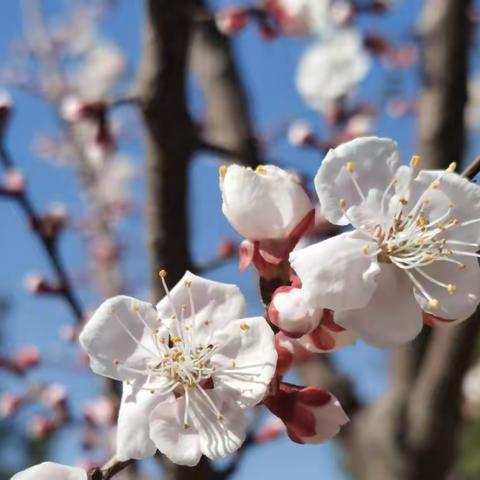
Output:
[[300, 134], [9, 404], [14, 182], [55, 396], [25, 358], [41, 427], [291, 314], [37, 284], [270, 430], [232, 20], [311, 414], [227, 248]]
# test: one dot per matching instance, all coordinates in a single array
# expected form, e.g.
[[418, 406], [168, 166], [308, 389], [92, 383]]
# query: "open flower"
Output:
[[50, 471], [189, 367], [413, 247], [331, 70]]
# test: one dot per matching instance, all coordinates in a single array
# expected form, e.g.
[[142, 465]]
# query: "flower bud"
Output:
[[25, 358], [41, 427], [291, 314], [265, 204], [9, 404], [311, 414]]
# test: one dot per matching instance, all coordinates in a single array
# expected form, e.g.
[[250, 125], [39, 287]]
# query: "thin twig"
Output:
[[48, 242]]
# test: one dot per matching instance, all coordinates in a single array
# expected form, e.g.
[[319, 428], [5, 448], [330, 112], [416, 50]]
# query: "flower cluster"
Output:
[[409, 257]]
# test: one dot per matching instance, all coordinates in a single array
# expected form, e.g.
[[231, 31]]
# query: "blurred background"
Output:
[[86, 189]]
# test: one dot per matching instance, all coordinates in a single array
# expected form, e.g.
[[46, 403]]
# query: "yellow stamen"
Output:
[[415, 161], [342, 203], [452, 167], [433, 303], [261, 170], [244, 327], [451, 289], [222, 171], [350, 167], [162, 273]]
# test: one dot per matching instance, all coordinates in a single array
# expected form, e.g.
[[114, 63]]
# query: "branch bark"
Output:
[[227, 121]]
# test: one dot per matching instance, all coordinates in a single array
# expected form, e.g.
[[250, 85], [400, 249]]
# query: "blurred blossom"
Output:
[[100, 412], [14, 181], [227, 248], [101, 70], [306, 17], [272, 429], [9, 404], [231, 20], [300, 133], [26, 357], [54, 396], [331, 71], [41, 427]]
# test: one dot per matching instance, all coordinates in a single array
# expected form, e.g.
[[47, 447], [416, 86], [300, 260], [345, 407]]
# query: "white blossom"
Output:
[[262, 204], [413, 247], [332, 69], [51, 471], [189, 368]]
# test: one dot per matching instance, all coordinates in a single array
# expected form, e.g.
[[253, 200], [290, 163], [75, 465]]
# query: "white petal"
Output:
[[263, 206], [293, 314], [133, 428], [216, 305], [375, 161], [247, 359], [116, 332], [51, 471], [392, 316], [222, 436], [180, 445], [464, 301], [329, 419], [336, 273]]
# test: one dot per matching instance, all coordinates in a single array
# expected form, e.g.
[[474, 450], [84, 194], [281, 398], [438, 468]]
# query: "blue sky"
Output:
[[268, 69]]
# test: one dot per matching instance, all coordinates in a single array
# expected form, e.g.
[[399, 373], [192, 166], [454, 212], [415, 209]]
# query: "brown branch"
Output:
[[49, 244], [227, 122]]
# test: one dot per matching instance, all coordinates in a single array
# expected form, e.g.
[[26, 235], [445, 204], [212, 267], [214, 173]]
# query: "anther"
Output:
[[186, 426], [187, 283], [244, 327], [152, 391], [261, 170], [116, 361], [435, 184], [452, 167], [365, 249], [342, 203], [415, 161], [461, 266], [451, 289], [162, 273], [222, 171], [433, 303], [221, 418], [403, 200], [350, 167], [234, 364]]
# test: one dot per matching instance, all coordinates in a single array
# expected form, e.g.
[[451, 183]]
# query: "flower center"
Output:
[[412, 240]]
